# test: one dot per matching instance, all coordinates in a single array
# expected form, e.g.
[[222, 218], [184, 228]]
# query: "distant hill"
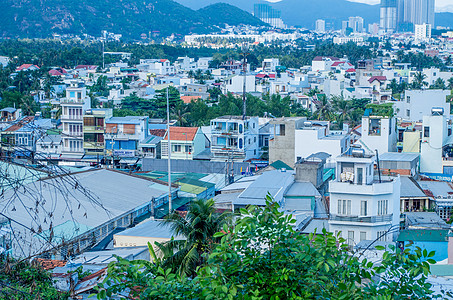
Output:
[[41, 18], [305, 12], [222, 13]]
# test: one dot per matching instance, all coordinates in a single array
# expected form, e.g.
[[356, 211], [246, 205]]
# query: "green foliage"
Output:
[[21, 280], [262, 257], [383, 110]]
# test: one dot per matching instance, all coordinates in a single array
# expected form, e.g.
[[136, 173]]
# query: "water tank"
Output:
[[357, 152], [437, 111]]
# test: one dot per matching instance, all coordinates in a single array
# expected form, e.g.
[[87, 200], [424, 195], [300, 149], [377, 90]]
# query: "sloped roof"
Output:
[[378, 78], [320, 58], [158, 132], [26, 66], [188, 99], [50, 264], [182, 133]]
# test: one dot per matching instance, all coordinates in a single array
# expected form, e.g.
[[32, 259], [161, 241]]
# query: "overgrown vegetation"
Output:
[[262, 257]]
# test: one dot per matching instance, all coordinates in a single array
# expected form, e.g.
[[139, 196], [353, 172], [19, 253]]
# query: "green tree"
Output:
[[419, 80], [323, 108], [450, 83], [439, 84], [261, 256], [198, 229]]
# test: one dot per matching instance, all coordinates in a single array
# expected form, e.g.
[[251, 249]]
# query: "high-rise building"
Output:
[[422, 32], [356, 23], [415, 12], [388, 20], [269, 15], [320, 25]]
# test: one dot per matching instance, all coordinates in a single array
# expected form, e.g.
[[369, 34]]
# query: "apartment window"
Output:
[[363, 208], [408, 113], [408, 98], [176, 148], [282, 129], [254, 139], [362, 236], [188, 149], [344, 207], [381, 236], [426, 131], [383, 207], [350, 238]]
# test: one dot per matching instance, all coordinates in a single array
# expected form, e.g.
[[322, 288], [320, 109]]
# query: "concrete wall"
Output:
[[282, 147], [196, 166], [431, 147], [420, 102], [308, 142]]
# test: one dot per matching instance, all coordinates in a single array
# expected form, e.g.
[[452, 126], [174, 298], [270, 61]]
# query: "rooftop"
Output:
[[182, 133], [396, 156], [151, 229]]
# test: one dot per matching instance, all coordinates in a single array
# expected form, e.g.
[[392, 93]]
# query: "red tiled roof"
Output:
[[188, 99], [50, 264], [378, 78], [182, 133], [55, 73], [25, 67], [261, 75], [163, 60], [352, 70], [19, 124], [158, 132]]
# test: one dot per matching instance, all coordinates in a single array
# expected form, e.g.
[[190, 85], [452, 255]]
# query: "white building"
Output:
[[434, 138], [203, 63], [4, 61], [378, 133], [270, 64], [419, 103], [235, 84], [422, 32], [73, 108], [233, 137], [156, 66], [363, 207], [315, 136], [320, 26]]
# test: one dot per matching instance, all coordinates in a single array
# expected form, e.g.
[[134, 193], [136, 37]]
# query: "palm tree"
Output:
[[180, 113], [419, 80], [323, 108], [439, 84], [343, 109], [450, 83], [198, 229]]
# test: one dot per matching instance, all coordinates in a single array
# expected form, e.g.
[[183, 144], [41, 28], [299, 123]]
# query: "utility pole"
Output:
[[245, 48], [169, 154], [103, 55]]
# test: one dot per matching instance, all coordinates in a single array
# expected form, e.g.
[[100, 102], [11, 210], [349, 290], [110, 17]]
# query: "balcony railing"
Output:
[[367, 219]]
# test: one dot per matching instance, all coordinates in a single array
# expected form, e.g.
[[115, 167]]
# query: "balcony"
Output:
[[72, 101], [72, 134], [94, 129], [367, 219], [93, 145], [375, 188], [69, 118], [224, 132]]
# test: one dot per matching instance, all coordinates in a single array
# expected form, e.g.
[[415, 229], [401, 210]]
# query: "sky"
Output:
[[441, 5]]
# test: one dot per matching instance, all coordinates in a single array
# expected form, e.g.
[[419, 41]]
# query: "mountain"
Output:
[[305, 12], [131, 18], [230, 15]]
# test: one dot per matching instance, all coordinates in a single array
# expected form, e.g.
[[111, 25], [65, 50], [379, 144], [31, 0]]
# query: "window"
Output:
[[408, 99], [254, 139], [363, 208], [362, 235], [426, 131], [282, 129], [381, 236], [383, 207], [176, 148], [350, 238], [188, 149], [344, 207], [408, 113]]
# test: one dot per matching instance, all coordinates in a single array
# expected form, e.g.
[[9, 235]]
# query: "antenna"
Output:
[[245, 48], [169, 154]]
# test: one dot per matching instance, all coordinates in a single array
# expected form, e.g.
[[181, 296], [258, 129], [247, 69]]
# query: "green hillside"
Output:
[[131, 18]]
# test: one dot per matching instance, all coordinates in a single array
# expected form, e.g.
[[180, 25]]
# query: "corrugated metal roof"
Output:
[[273, 182], [151, 229], [409, 188], [302, 189], [396, 156], [438, 188]]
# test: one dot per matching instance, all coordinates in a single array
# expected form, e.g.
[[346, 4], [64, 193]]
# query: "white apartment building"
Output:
[[73, 108], [270, 64], [422, 32], [320, 26], [362, 206], [378, 133], [434, 138], [156, 66], [418, 103], [235, 138], [235, 84]]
